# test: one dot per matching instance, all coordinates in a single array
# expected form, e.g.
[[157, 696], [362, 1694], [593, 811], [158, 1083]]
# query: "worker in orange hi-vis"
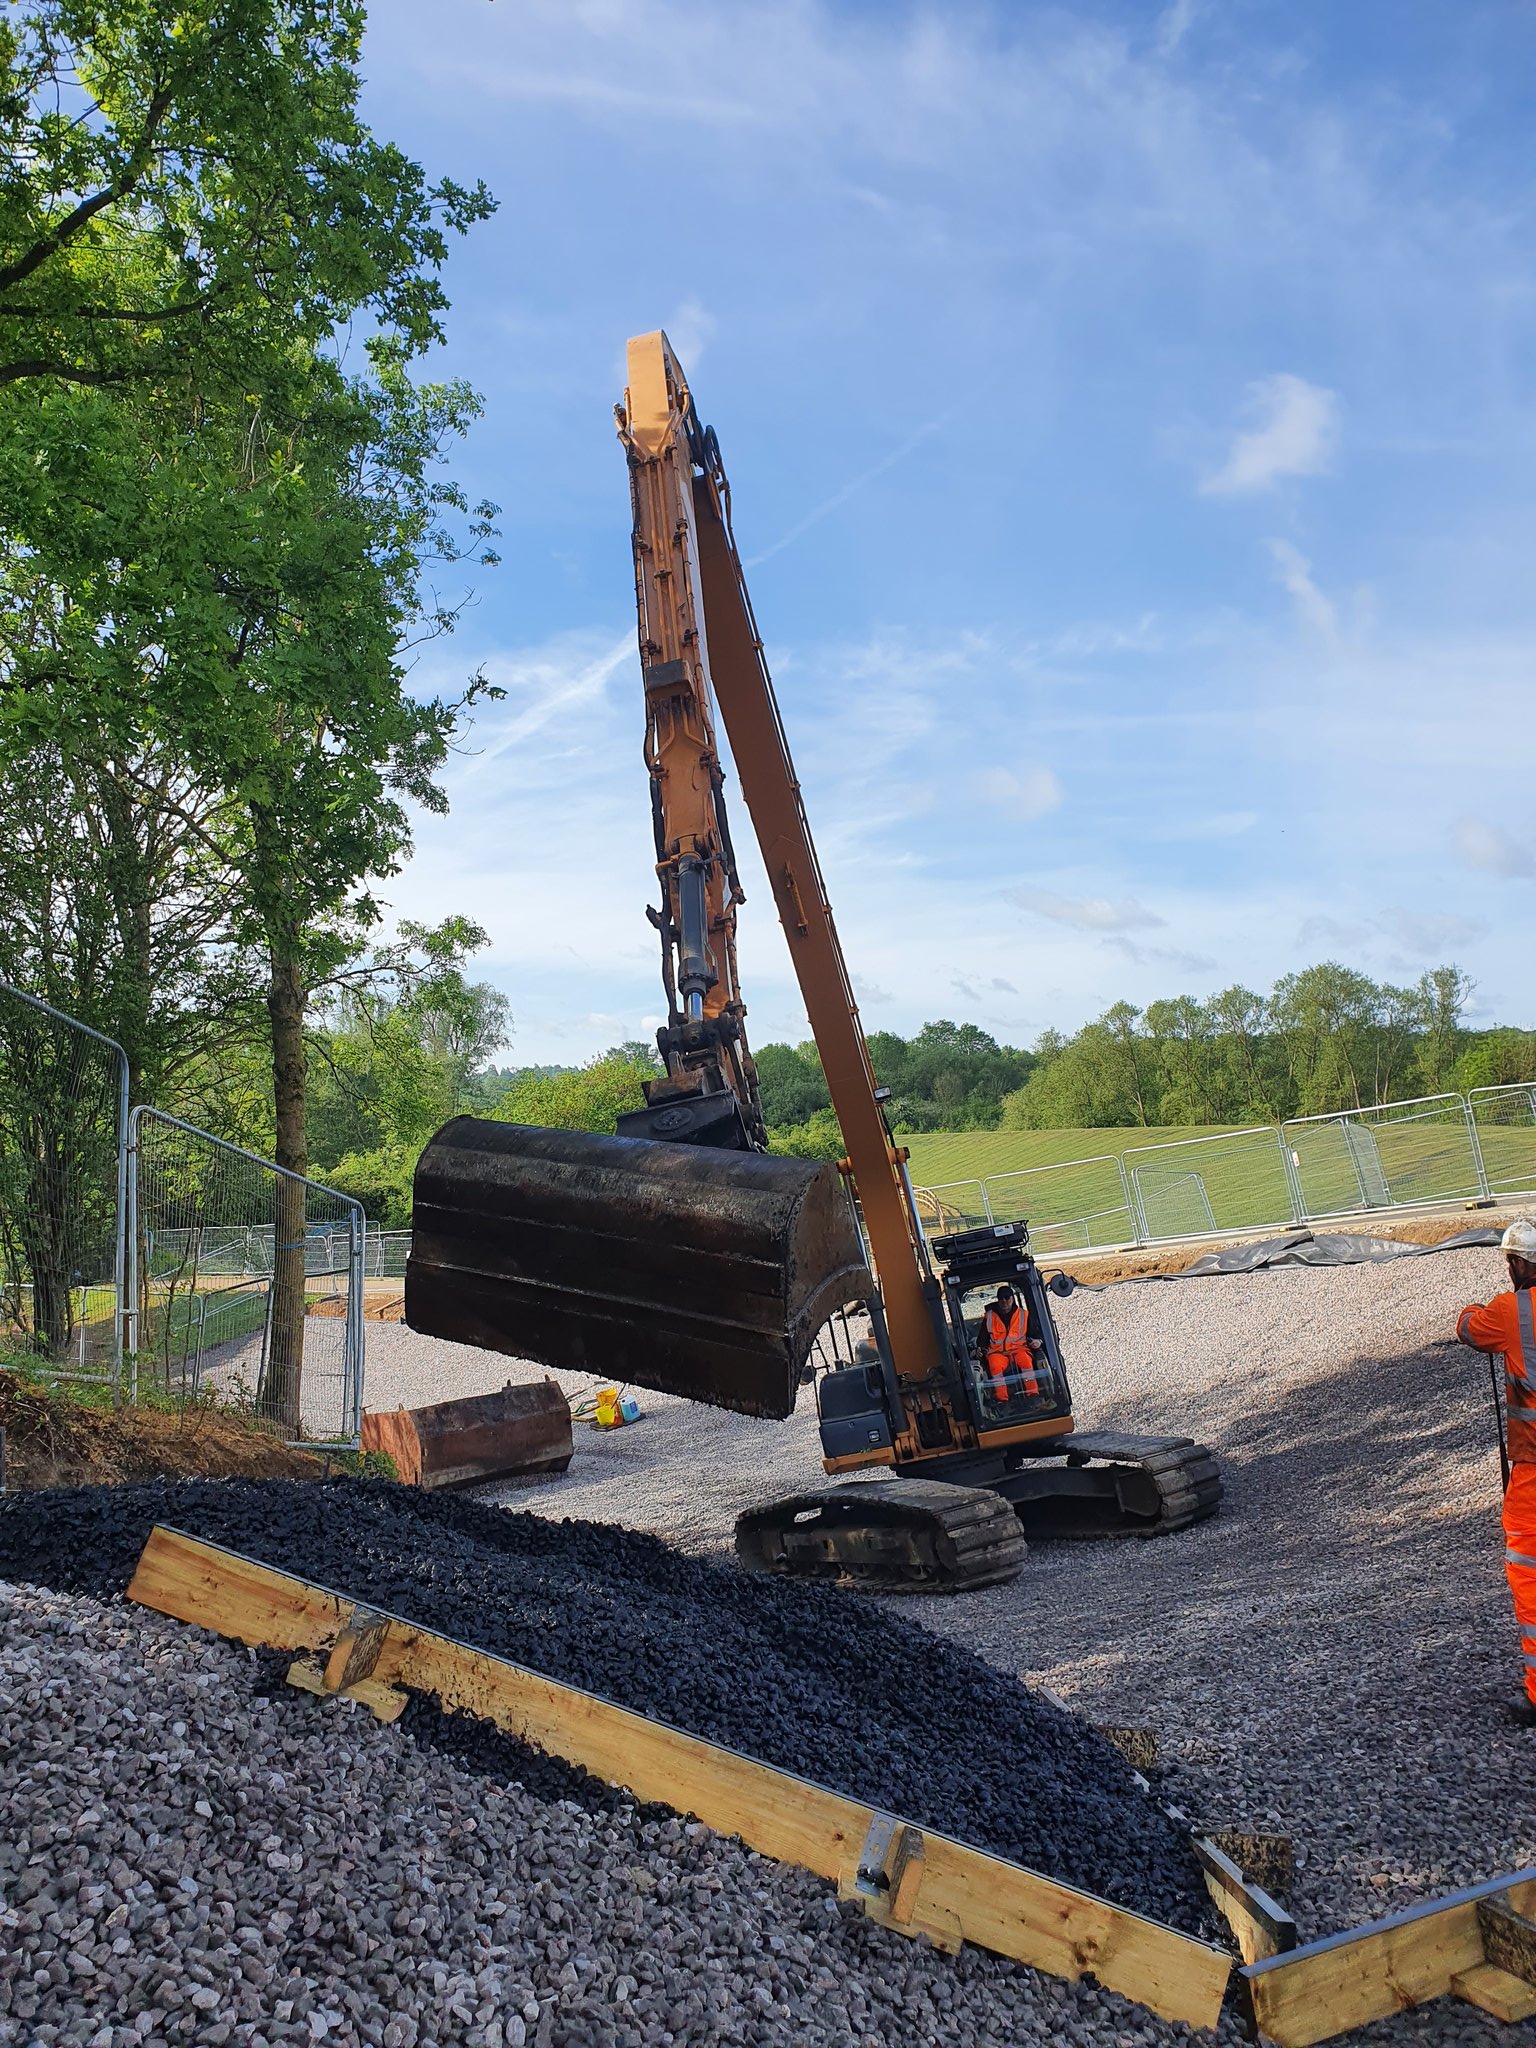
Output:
[[1009, 1356], [1508, 1325]]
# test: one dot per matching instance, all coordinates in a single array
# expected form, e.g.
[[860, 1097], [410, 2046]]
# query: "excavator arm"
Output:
[[699, 639], [709, 1093]]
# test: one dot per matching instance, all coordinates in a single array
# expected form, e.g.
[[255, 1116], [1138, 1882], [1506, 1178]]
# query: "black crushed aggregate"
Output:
[[829, 1684]]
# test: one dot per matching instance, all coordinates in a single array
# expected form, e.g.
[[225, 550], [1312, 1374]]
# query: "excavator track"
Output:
[[887, 1535], [1133, 1486]]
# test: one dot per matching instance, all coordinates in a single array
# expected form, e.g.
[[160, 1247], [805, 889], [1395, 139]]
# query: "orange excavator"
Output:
[[680, 1254]]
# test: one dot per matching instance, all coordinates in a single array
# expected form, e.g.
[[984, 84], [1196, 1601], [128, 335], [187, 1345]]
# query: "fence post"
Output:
[[357, 1267], [1132, 1206], [132, 1279], [1292, 1175], [1483, 1188]]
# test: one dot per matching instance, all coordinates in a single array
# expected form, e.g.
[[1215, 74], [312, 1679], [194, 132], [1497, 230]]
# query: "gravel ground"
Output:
[[188, 1861], [1331, 1657]]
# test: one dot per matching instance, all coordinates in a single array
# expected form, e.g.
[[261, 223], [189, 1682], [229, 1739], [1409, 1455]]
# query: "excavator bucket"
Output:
[[684, 1268]]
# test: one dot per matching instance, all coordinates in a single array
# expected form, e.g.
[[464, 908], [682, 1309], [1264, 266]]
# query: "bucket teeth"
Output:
[[687, 1269]]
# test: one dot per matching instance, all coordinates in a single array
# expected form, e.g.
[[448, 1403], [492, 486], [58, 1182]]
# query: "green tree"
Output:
[[819, 1137], [188, 187], [589, 1098], [792, 1084], [1444, 994]]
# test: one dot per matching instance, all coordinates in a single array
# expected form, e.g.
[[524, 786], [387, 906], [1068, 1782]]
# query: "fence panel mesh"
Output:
[[1082, 1202], [1401, 1153], [1505, 1121], [956, 1205], [248, 1281], [1235, 1180], [63, 1100]]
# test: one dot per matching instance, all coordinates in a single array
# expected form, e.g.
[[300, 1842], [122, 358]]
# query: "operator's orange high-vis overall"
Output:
[[1008, 1352], [1508, 1324]]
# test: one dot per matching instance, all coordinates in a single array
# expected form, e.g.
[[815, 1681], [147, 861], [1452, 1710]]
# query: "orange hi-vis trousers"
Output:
[[1520, 1562]]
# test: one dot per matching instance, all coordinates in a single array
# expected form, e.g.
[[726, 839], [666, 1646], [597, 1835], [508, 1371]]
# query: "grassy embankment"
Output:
[[1236, 1181]]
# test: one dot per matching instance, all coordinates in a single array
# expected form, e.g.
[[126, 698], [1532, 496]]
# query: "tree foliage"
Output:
[[189, 186], [1325, 1038], [589, 1098]]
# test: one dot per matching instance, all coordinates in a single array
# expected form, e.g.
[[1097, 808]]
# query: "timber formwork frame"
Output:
[[1478, 1945]]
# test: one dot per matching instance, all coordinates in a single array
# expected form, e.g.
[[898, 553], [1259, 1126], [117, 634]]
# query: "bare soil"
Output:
[[51, 1440]]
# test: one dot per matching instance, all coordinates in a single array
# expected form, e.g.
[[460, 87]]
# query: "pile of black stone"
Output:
[[827, 1684]]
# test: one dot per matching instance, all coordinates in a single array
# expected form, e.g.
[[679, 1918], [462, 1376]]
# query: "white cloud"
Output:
[[1295, 426], [1295, 574], [855, 484], [690, 330], [1217, 825], [981, 991], [1331, 931], [1432, 933], [1173, 25], [870, 992], [1492, 850], [1162, 956], [1087, 913], [1030, 795]]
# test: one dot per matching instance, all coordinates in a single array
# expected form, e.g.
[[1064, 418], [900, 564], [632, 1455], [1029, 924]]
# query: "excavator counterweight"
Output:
[[683, 1268]]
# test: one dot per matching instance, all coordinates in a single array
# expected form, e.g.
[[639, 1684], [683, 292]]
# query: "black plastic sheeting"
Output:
[[1304, 1248], [831, 1685]]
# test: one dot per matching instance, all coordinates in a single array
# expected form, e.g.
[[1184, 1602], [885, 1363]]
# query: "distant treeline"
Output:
[[1325, 1038], [388, 1067]]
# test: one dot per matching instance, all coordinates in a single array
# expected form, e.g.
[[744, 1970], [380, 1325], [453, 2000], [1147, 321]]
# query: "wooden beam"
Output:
[[1260, 1925], [1329, 1987], [1496, 1992], [939, 1887]]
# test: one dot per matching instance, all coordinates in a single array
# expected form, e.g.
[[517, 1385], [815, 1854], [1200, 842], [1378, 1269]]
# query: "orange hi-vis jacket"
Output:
[[1508, 1324], [1008, 1350]]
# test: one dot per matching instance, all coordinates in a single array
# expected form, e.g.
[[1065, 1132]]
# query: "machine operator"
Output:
[[1508, 1325], [1005, 1332]]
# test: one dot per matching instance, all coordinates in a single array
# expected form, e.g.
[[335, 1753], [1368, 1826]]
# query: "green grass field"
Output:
[[1232, 1181], [939, 1156]]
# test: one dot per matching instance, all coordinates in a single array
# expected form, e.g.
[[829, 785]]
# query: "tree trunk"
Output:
[[283, 1380]]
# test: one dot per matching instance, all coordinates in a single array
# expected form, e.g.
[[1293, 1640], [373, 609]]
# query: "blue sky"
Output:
[[1129, 411]]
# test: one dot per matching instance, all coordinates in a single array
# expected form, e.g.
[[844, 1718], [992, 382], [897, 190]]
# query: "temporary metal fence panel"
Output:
[[387, 1253], [246, 1281], [954, 1205], [1070, 1207], [63, 1126], [1232, 1180], [1504, 1120], [1172, 1201], [1390, 1157]]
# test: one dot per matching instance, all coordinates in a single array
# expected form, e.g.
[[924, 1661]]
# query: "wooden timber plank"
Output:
[[1328, 1987], [1260, 1926], [1496, 1992], [956, 1892]]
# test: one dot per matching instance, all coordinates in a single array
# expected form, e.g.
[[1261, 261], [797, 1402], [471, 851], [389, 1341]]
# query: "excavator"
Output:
[[680, 1254]]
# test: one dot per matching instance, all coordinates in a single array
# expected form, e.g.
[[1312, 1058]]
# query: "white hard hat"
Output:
[[1520, 1239]]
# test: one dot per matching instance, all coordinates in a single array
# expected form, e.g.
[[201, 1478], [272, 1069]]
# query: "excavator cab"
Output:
[[1032, 1387]]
